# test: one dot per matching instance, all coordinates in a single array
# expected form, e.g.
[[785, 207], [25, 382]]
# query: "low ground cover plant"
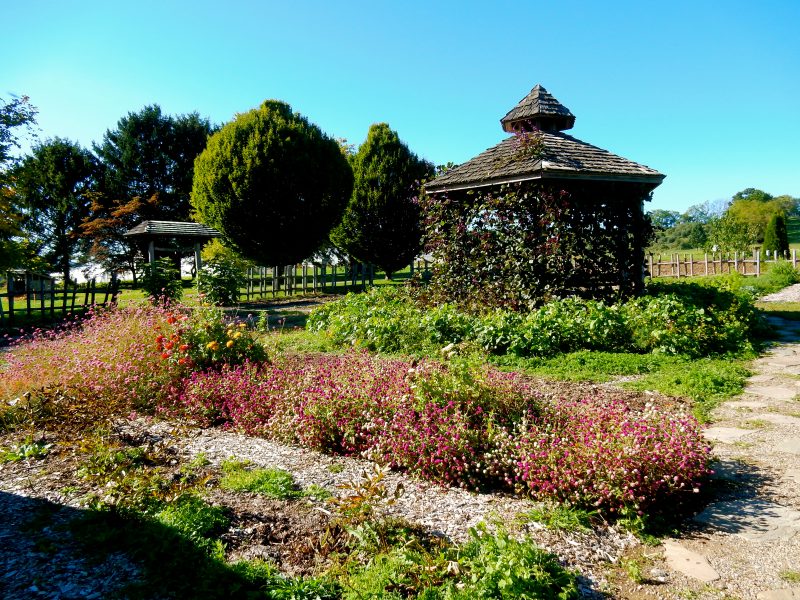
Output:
[[688, 320]]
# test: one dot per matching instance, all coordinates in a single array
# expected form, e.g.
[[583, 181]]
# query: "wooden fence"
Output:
[[49, 303], [311, 278], [688, 265]]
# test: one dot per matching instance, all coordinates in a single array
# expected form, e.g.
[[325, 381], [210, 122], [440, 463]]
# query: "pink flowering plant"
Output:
[[476, 428]]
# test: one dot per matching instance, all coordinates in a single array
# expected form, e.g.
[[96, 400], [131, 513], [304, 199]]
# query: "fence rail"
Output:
[[48, 302], [687, 265], [262, 282]]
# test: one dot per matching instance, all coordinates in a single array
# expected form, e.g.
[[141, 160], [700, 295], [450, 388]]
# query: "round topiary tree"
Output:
[[272, 183], [776, 237], [382, 224]]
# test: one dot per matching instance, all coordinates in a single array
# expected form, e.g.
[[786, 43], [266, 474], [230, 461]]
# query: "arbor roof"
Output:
[[539, 150], [172, 229]]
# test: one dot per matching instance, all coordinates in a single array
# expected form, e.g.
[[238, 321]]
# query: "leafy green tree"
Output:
[[776, 238], [51, 189], [272, 183], [15, 115], [727, 234], [752, 194], [148, 165], [382, 222], [664, 219]]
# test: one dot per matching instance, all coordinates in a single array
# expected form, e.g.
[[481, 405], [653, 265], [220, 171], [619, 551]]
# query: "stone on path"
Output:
[[751, 404], [774, 392], [778, 419], [688, 562], [725, 435], [788, 446], [793, 474], [784, 594], [753, 519]]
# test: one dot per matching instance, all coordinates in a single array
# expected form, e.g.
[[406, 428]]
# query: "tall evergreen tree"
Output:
[[382, 223], [776, 238], [148, 165], [51, 188]]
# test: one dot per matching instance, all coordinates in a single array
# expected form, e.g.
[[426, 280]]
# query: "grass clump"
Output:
[[562, 517], [195, 520], [706, 381], [238, 476]]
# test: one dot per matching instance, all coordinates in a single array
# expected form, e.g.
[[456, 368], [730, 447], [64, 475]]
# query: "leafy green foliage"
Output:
[[17, 113], [272, 183], [523, 245], [148, 161], [51, 186], [161, 280], [219, 281], [25, 450], [382, 223], [692, 320], [502, 567]]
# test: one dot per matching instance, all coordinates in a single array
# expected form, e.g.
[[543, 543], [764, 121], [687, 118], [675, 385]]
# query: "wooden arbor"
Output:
[[174, 238], [602, 233]]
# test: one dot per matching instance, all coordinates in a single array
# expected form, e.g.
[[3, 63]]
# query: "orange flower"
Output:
[[183, 347], [165, 355], [169, 345]]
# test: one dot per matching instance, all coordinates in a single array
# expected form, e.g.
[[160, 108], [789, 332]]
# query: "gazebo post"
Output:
[[198, 261], [151, 252]]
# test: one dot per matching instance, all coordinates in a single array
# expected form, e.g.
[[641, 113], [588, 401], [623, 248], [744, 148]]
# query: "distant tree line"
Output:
[[752, 217], [278, 188]]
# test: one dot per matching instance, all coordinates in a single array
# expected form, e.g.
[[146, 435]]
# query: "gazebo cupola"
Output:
[[538, 110]]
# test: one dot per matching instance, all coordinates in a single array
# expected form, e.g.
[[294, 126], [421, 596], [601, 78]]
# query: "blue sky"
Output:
[[706, 92]]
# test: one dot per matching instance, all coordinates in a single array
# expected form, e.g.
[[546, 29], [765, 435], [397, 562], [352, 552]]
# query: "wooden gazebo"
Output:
[[606, 192], [172, 238]]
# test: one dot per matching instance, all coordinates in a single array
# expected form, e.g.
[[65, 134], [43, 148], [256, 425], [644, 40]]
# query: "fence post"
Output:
[[41, 297], [28, 292], [11, 305], [735, 261], [757, 254], [794, 258]]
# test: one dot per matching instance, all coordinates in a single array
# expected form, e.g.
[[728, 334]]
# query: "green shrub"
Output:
[[161, 280], [684, 319], [219, 281], [274, 483]]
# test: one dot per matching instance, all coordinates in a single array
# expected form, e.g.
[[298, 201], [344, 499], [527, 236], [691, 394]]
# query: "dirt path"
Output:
[[746, 544]]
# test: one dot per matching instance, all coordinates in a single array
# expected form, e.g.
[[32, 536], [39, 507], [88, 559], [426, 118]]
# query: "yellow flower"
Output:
[[237, 335], [229, 344], [213, 346]]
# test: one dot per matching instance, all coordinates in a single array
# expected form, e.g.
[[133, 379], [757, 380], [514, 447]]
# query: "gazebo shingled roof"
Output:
[[172, 229], [562, 156]]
